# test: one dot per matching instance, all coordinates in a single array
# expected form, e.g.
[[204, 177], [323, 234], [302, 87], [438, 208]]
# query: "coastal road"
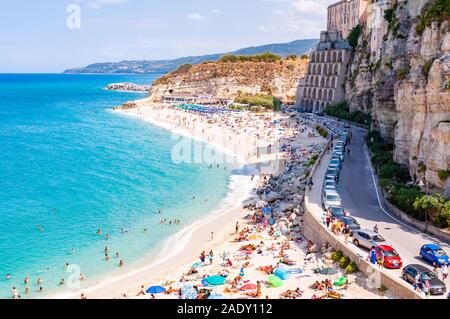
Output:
[[362, 199]]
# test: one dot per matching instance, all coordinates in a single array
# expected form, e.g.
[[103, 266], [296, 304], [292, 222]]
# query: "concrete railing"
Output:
[[316, 230]]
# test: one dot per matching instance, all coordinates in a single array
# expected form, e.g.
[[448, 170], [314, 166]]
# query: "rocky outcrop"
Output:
[[226, 80], [129, 87], [403, 81]]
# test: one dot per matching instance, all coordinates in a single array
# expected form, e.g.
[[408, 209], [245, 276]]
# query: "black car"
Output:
[[336, 211], [350, 222], [437, 287]]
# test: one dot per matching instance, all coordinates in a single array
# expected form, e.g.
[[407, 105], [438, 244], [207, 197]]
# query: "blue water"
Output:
[[61, 147]]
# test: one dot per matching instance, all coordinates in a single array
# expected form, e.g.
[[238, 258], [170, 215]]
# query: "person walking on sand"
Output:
[[212, 236], [237, 227]]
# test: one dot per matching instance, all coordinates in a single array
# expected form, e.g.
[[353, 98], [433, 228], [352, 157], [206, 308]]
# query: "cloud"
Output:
[[196, 17]]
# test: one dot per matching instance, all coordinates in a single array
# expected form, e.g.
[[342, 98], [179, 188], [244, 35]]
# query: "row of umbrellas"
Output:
[[189, 292]]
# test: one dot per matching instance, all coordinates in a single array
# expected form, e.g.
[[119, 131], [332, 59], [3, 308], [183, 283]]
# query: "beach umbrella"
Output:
[[329, 271], [188, 292], [275, 281], [155, 290], [205, 282], [248, 287], [216, 296], [215, 280]]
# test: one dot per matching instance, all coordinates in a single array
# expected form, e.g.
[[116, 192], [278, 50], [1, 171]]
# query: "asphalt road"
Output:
[[359, 197]]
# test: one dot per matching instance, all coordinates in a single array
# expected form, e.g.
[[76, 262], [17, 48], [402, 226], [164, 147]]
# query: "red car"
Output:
[[392, 259]]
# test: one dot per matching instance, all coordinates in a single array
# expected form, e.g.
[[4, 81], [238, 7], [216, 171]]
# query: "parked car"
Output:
[[336, 211], [335, 163], [333, 172], [367, 238], [330, 183], [437, 286], [339, 154], [432, 253], [331, 198], [392, 259], [351, 223]]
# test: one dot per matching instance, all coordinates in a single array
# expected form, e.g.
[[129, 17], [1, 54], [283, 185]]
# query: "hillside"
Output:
[[232, 75], [297, 47]]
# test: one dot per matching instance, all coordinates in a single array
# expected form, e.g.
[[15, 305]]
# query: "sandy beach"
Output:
[[245, 250]]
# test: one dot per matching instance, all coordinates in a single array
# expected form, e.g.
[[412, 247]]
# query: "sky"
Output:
[[54, 35]]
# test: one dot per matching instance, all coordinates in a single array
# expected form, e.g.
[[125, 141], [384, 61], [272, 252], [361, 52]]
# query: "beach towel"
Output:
[[295, 271]]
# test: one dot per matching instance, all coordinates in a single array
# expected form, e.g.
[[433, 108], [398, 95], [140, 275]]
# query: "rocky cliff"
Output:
[[227, 79], [400, 73]]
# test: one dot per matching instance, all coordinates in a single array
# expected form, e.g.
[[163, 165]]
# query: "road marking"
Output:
[[381, 205]]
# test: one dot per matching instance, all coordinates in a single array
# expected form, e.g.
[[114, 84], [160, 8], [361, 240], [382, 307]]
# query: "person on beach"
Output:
[[237, 228], [141, 292], [121, 263], [202, 256], [212, 236], [62, 282], [26, 280], [107, 257], [211, 257], [83, 296]]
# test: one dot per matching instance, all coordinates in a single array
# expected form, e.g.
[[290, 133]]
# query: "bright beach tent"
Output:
[[188, 292], [215, 280], [275, 281], [248, 287], [155, 290]]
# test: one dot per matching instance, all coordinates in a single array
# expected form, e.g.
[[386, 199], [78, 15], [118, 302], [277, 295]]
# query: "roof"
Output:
[[368, 232], [419, 267], [433, 246], [386, 247]]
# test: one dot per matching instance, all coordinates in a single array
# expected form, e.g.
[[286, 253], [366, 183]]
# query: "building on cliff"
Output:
[[344, 15], [323, 83]]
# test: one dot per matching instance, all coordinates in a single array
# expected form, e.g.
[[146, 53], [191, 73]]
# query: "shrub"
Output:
[[435, 11], [443, 175], [337, 255], [184, 68], [352, 268], [264, 101], [354, 35], [344, 262], [342, 110], [422, 167], [262, 57], [436, 207], [427, 67]]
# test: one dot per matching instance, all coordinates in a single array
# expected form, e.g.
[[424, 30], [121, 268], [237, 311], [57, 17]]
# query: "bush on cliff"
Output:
[[436, 11], [354, 35], [265, 101], [263, 57], [436, 207], [342, 110]]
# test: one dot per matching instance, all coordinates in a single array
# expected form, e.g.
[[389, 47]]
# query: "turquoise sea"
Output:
[[70, 166]]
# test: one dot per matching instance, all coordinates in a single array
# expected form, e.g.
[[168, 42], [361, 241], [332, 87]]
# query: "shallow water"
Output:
[[62, 148]]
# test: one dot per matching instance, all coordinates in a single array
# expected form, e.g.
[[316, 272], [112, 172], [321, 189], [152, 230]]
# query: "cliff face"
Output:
[[226, 79], [403, 81]]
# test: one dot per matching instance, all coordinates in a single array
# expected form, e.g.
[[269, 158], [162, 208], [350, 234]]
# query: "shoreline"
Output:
[[112, 284]]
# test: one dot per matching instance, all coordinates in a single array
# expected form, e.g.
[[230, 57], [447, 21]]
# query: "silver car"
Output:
[[367, 238], [331, 198]]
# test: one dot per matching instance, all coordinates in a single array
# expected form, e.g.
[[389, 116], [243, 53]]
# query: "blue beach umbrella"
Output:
[[216, 296], [188, 292], [155, 290], [215, 280]]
